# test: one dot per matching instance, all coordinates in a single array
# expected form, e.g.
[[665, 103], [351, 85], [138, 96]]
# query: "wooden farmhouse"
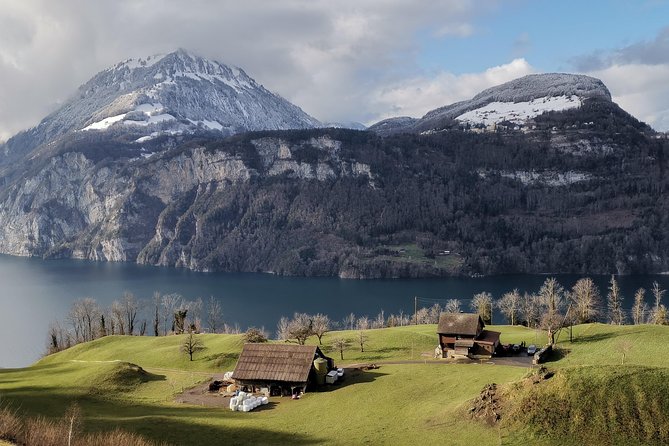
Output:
[[282, 369], [462, 334]]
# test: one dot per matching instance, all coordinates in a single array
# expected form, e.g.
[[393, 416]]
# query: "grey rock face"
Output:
[[129, 210]]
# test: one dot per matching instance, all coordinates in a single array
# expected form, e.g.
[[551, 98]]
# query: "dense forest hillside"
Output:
[[583, 190]]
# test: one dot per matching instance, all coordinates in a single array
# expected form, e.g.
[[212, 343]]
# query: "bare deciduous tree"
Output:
[[231, 329], [586, 300], [282, 329], [192, 344], [640, 308], [529, 309], [341, 344], [615, 303], [130, 308], [551, 296], [362, 323], [362, 340], [434, 313], [299, 328], [422, 316], [659, 316], [84, 317], [320, 326], [452, 306], [349, 321], [482, 304], [214, 314], [170, 302], [195, 313], [380, 321], [509, 305], [119, 316]]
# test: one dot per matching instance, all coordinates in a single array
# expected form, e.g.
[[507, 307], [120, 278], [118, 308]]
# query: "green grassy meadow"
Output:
[[417, 402]]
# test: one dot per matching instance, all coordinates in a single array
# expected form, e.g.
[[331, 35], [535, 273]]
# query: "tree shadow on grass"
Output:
[[174, 425], [269, 406], [378, 354], [556, 354], [351, 377], [220, 359], [595, 337]]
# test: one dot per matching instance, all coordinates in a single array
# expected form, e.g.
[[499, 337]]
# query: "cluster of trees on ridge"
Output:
[[551, 308], [167, 314]]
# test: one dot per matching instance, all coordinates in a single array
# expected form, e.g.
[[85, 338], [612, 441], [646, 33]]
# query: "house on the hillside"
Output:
[[282, 369], [463, 334]]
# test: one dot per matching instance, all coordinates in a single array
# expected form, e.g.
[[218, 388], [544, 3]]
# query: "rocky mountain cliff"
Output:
[[582, 189]]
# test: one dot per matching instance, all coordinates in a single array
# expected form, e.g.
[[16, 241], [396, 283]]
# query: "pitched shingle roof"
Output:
[[275, 362], [488, 337], [459, 323]]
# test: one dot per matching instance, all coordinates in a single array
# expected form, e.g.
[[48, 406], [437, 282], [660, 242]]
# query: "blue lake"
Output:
[[35, 292]]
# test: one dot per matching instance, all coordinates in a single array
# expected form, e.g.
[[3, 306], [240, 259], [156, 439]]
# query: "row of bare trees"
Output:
[[167, 313], [551, 308], [302, 326]]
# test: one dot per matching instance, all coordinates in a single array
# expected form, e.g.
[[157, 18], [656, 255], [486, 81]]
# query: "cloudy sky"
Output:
[[356, 60]]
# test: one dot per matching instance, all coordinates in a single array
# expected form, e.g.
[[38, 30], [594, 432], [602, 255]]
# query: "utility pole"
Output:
[[415, 310]]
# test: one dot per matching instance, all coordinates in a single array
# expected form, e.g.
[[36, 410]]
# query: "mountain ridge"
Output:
[[433, 198], [190, 92], [544, 86]]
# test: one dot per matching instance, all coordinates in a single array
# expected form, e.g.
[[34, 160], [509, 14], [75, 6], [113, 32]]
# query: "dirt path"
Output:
[[201, 396]]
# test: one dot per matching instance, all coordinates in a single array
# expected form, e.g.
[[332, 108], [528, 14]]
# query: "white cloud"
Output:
[[325, 56], [416, 96], [640, 89]]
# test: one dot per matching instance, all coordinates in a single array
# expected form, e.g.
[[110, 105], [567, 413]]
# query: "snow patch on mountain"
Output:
[[140, 62], [551, 178], [518, 112], [528, 88], [105, 123], [142, 115], [206, 123]]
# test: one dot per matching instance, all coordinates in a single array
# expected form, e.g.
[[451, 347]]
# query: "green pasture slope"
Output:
[[420, 401]]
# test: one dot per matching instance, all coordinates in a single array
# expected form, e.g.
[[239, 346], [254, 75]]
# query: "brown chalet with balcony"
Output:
[[463, 334]]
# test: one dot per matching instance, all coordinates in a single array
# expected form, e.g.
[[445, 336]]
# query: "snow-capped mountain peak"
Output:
[[524, 98], [171, 93], [517, 102]]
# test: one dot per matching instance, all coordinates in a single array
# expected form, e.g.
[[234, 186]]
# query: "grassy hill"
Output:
[[130, 382]]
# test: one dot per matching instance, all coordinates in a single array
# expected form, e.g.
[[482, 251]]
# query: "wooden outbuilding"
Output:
[[280, 368], [463, 334]]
